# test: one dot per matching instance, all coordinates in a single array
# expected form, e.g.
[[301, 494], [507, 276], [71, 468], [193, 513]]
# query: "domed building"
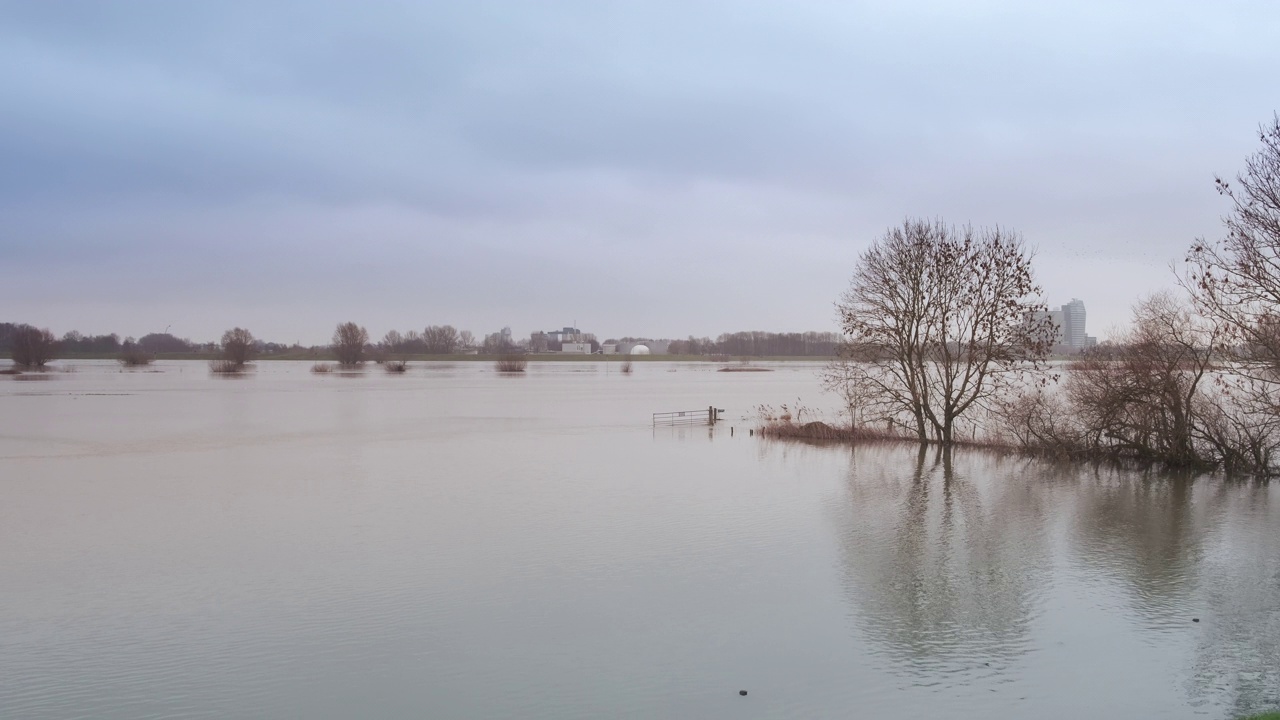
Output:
[[639, 350]]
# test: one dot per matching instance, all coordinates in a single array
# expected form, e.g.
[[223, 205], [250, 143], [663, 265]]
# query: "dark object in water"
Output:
[[1195, 619], [818, 429], [742, 692]]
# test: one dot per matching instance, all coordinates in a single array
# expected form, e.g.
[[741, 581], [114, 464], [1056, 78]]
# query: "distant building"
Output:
[[1058, 326], [609, 348], [565, 340], [1069, 324], [1073, 316], [651, 347], [565, 335]]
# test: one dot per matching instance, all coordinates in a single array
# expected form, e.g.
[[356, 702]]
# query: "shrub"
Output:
[[396, 367], [225, 367], [511, 363], [322, 368], [131, 355]]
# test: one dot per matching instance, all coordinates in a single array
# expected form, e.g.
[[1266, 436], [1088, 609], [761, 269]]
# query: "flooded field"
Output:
[[454, 543]]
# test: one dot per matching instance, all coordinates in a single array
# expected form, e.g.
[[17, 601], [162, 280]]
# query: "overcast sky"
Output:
[[660, 168]]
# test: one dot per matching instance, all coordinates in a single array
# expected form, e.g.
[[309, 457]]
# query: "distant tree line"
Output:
[[757, 343], [433, 340]]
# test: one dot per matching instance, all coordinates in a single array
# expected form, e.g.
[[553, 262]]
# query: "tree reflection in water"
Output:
[[943, 571], [949, 559]]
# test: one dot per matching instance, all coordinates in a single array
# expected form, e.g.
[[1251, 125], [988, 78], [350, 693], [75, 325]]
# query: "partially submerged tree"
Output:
[[938, 320], [1236, 281], [1153, 396], [1144, 401], [237, 348], [32, 347], [349, 340], [132, 354]]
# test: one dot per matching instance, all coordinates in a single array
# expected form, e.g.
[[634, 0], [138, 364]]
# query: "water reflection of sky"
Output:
[[455, 543]]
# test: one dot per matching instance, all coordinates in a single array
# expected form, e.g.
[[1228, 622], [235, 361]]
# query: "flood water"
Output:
[[453, 543]]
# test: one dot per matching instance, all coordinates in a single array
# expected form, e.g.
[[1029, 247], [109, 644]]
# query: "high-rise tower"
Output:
[[1073, 332]]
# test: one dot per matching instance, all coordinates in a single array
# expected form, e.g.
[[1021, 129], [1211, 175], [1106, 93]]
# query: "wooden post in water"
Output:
[[711, 414]]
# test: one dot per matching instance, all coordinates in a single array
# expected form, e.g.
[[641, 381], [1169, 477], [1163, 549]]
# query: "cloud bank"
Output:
[[659, 168]]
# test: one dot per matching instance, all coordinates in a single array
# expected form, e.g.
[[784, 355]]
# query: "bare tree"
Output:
[[237, 347], [1236, 281], [349, 340], [440, 339], [539, 342], [466, 341], [393, 341], [1144, 401], [1152, 395], [495, 343], [938, 320], [32, 347]]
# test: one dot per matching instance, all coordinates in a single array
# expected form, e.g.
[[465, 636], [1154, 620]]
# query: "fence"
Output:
[[688, 417]]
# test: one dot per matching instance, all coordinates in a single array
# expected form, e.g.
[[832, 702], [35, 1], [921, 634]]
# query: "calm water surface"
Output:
[[457, 544]]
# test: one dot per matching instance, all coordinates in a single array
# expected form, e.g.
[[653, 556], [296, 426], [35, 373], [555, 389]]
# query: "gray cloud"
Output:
[[653, 167]]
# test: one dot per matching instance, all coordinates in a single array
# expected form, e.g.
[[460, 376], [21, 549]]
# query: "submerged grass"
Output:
[[782, 428]]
